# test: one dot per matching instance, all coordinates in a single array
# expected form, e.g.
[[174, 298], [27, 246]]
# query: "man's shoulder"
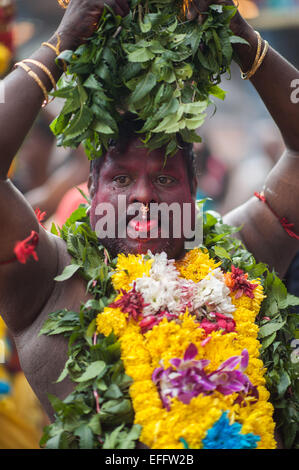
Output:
[[43, 357]]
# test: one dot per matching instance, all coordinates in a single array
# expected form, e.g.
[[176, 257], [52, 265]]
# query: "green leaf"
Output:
[[194, 123], [143, 87], [95, 424], [54, 229], [67, 273], [54, 442], [218, 92], [140, 55], [270, 328], [146, 25], [268, 340], [80, 123], [64, 372], [113, 392], [238, 40], [101, 127], [85, 435], [221, 252], [283, 384], [93, 370]]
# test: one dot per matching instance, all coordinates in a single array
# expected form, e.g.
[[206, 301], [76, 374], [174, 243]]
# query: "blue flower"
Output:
[[4, 388], [227, 436]]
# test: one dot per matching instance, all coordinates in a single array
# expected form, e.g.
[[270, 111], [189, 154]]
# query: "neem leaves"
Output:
[[153, 63]]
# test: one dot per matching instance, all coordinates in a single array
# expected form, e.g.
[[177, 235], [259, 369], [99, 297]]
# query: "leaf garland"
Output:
[[94, 363], [153, 63]]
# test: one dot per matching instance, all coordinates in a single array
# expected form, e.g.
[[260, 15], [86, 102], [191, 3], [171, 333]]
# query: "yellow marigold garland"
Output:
[[143, 353]]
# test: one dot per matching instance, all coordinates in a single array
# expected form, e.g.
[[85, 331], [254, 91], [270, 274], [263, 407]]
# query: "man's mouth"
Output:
[[143, 229]]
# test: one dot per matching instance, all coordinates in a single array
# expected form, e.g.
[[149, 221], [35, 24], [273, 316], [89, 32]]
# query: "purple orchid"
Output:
[[228, 380], [186, 378]]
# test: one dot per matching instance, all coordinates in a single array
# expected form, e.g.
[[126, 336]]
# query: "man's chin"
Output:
[[172, 247]]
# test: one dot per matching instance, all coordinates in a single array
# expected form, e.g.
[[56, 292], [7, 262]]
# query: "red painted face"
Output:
[[141, 178]]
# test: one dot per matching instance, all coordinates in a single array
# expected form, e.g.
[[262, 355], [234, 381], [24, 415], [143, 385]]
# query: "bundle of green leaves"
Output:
[[154, 63]]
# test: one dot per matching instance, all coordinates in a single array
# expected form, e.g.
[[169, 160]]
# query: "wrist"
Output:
[[64, 40], [239, 25], [245, 53]]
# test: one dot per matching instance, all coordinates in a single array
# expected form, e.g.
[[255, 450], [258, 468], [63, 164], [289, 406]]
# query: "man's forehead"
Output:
[[136, 153]]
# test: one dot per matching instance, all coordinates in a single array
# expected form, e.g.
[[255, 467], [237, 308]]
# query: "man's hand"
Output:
[[81, 19], [197, 8]]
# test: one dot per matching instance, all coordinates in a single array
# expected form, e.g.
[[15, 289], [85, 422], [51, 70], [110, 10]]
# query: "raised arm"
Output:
[[24, 288], [263, 233]]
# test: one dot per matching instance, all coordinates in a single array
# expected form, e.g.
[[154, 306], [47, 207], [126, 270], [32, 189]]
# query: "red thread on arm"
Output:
[[24, 249], [284, 222]]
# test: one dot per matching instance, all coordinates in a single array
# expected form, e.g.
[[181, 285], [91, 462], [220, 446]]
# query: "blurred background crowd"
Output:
[[240, 146]]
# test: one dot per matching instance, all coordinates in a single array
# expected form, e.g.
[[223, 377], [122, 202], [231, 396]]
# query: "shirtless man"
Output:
[[28, 292]]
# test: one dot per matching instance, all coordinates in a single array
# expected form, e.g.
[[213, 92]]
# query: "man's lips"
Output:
[[142, 228]]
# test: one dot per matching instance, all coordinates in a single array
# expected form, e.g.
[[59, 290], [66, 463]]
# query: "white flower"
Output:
[[161, 288], [213, 294]]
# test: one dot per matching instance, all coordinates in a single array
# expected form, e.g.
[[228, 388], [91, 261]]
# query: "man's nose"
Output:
[[143, 192]]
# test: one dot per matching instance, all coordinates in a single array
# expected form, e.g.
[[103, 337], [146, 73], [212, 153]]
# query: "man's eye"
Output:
[[122, 180], [165, 180]]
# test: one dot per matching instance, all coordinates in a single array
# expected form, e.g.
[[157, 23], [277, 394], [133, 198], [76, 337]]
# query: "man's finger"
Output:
[[196, 9], [124, 5], [118, 6]]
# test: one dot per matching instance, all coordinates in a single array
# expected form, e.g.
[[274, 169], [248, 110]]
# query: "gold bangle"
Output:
[[63, 3], [36, 78], [56, 49], [246, 75], [261, 59], [43, 68]]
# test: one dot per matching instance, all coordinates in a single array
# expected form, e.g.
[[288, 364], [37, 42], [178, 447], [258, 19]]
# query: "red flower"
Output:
[[26, 248], [131, 302], [222, 323], [148, 322], [240, 284]]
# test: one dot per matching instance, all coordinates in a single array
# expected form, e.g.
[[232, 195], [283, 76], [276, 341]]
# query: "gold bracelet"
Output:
[[63, 3], [56, 49], [261, 59], [246, 75], [36, 78], [43, 68]]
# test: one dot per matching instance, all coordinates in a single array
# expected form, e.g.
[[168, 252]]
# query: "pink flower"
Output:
[[222, 323], [148, 322]]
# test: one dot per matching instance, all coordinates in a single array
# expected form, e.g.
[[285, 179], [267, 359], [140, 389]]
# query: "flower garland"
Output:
[[143, 371], [171, 391]]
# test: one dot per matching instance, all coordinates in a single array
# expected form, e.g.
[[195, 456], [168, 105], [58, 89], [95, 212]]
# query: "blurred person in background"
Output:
[[261, 152], [21, 416], [43, 174]]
